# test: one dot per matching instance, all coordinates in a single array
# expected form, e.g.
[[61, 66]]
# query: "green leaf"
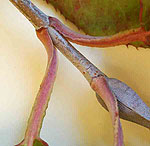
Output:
[[106, 17], [37, 143]]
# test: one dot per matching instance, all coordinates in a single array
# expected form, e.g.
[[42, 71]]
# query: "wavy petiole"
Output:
[[32, 134], [115, 96]]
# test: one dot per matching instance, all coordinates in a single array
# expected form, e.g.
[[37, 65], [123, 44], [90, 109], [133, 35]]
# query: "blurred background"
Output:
[[74, 117]]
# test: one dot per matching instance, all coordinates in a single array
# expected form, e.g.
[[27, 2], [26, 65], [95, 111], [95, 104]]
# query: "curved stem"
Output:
[[96, 79], [43, 96], [40, 19], [123, 38], [77, 59], [94, 76], [100, 86]]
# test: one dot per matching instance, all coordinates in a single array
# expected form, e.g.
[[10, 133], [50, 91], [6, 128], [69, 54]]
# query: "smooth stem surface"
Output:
[[100, 86], [43, 96]]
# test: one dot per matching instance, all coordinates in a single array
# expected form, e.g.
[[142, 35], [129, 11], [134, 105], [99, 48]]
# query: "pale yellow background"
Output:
[[74, 117]]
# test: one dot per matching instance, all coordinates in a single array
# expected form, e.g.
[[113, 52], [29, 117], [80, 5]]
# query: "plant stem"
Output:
[[32, 13], [98, 80], [95, 77], [43, 96], [77, 59]]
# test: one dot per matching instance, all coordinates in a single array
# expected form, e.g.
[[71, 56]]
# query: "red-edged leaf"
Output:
[[139, 36]]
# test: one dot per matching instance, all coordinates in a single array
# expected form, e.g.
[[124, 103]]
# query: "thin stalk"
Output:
[[105, 87], [43, 96], [41, 20], [89, 70], [32, 13], [95, 77]]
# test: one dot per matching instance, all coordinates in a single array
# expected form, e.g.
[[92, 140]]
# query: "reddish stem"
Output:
[[123, 38], [100, 86], [43, 96]]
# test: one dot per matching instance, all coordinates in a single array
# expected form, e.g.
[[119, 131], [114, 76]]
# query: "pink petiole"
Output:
[[51, 32]]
